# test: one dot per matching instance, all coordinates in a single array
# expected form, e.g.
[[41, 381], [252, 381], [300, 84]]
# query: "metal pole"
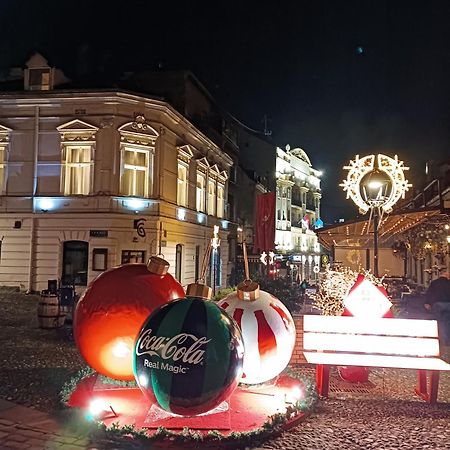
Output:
[[375, 243], [214, 270]]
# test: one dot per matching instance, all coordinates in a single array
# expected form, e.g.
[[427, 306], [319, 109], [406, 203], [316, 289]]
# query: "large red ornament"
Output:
[[111, 312]]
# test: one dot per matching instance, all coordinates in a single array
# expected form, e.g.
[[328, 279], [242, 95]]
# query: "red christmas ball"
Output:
[[111, 312]]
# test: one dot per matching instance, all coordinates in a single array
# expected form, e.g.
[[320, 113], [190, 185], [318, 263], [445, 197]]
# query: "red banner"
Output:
[[265, 222]]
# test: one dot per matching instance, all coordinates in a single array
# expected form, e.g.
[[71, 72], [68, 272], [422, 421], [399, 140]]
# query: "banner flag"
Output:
[[265, 222]]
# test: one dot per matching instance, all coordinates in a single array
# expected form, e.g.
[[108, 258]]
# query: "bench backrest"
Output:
[[352, 341]]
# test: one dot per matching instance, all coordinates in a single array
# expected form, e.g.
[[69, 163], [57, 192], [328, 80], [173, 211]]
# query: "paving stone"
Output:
[[17, 437], [15, 444]]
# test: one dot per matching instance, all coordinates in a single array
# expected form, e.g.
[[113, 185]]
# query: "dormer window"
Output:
[[39, 79], [38, 74]]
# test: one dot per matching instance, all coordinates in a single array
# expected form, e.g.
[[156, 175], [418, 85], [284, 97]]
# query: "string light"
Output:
[[359, 167]]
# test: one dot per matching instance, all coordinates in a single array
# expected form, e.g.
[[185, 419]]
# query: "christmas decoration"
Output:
[[360, 167], [112, 310], [365, 300], [272, 426], [189, 356], [267, 328], [268, 331], [334, 286]]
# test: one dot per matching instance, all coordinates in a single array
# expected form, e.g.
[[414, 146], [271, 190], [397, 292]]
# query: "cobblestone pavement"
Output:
[[389, 416], [369, 424]]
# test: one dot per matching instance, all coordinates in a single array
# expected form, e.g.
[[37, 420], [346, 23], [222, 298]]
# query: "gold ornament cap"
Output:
[[248, 290], [157, 265], [199, 290]]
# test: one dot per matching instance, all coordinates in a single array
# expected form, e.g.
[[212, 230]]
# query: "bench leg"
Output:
[[434, 386], [428, 391], [323, 379]]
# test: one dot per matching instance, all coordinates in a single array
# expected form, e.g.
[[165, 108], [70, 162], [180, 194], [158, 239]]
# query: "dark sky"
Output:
[[335, 77]]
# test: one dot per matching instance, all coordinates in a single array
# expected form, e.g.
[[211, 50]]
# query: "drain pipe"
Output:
[[34, 187]]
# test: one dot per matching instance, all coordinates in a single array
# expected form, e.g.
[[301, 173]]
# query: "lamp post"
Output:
[[375, 183]]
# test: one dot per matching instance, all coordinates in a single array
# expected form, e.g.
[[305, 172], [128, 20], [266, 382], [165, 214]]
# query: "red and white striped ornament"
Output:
[[268, 333]]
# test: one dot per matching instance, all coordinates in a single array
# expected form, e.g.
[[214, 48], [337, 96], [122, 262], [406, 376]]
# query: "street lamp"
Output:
[[375, 183]]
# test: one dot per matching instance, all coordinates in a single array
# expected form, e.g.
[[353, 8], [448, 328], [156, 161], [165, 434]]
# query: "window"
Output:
[[77, 170], [182, 184], [136, 167], [133, 256], [99, 259], [137, 146], [185, 153], [75, 263], [211, 197], [201, 187], [4, 143], [39, 79], [178, 261], [77, 160], [3, 166], [220, 200]]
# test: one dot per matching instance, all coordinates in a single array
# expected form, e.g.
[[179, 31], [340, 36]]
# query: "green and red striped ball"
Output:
[[189, 356]]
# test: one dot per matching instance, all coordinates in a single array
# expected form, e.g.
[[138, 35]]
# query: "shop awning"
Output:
[[357, 233]]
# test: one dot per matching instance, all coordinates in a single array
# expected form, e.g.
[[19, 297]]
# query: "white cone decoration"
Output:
[[268, 332]]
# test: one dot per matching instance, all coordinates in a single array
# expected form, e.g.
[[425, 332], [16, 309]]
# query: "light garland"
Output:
[[359, 167], [334, 287]]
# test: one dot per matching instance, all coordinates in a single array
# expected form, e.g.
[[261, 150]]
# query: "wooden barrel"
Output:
[[49, 311]]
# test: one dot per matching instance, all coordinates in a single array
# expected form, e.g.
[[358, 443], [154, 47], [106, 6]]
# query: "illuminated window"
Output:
[[3, 168], [201, 187], [77, 160], [211, 197], [136, 169], [220, 200], [137, 148], [182, 184], [4, 147], [77, 170]]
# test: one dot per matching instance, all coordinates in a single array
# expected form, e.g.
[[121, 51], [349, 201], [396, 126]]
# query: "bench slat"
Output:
[[349, 359], [354, 325], [389, 345]]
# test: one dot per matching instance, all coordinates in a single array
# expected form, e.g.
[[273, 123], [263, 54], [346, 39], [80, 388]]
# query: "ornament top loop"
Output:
[[157, 265], [247, 289], [199, 290]]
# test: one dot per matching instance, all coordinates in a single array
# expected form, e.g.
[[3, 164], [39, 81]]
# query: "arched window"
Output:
[[178, 261], [75, 263]]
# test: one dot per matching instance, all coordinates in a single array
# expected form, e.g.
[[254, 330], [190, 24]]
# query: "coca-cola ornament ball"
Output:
[[189, 356], [268, 331], [113, 308]]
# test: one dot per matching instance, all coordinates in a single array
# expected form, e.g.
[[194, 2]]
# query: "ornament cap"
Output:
[[199, 290], [248, 290], [157, 265]]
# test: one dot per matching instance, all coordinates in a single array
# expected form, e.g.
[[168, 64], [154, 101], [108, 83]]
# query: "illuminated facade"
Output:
[[298, 210], [91, 179]]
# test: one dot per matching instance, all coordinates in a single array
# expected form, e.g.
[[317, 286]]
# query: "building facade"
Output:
[[297, 212], [91, 179]]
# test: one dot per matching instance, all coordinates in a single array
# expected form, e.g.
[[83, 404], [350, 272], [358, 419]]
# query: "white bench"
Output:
[[390, 343]]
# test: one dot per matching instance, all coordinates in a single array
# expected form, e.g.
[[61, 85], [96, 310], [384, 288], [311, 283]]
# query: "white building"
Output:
[[92, 179], [298, 210]]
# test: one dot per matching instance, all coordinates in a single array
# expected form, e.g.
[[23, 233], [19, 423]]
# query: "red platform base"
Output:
[[247, 409]]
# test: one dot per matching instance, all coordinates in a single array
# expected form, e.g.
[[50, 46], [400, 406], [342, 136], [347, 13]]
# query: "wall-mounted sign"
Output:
[[138, 225], [98, 233]]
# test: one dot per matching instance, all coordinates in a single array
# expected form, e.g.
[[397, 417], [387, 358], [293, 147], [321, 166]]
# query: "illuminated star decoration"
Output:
[[359, 167]]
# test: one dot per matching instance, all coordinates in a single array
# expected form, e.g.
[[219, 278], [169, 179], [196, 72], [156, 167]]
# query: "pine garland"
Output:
[[273, 425]]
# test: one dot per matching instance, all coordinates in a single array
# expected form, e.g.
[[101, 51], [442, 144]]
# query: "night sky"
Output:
[[336, 78]]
